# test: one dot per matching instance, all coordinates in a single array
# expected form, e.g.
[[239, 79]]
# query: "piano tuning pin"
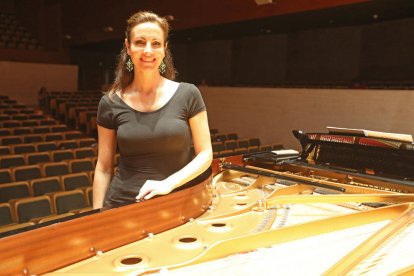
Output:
[[150, 235], [99, 253]]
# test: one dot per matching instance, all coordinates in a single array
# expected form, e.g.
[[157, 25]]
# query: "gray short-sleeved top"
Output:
[[152, 145]]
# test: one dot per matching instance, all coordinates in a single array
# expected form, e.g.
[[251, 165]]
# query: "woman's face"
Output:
[[147, 46]]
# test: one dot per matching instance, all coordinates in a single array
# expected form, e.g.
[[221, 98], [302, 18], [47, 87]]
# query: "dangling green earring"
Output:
[[129, 65], [162, 68]]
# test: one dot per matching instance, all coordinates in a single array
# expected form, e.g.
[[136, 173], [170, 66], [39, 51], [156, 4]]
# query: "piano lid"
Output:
[[359, 151]]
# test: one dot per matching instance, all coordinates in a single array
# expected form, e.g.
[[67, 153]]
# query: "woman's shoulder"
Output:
[[109, 96], [187, 87]]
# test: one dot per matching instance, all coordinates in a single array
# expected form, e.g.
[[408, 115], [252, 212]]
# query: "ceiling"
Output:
[[369, 12]]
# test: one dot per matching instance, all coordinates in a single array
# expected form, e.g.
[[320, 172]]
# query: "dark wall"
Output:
[[376, 52]]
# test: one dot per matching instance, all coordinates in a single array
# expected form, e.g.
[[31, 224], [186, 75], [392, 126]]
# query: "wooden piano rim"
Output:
[[58, 245]]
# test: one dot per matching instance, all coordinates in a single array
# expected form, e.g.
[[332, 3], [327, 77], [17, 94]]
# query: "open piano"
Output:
[[343, 206]]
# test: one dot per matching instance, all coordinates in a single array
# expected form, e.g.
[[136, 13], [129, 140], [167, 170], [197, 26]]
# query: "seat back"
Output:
[[23, 148], [46, 146], [31, 208], [14, 190], [5, 176], [5, 214], [67, 201], [84, 152], [55, 168], [28, 172], [37, 157], [12, 161], [81, 165], [60, 155], [75, 180], [46, 185]]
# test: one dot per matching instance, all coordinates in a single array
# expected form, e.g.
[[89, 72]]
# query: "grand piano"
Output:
[[341, 206]]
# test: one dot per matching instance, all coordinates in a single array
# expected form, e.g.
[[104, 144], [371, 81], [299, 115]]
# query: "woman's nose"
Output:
[[148, 47]]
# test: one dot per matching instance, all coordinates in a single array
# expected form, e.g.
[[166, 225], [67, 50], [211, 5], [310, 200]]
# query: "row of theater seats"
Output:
[[40, 137], [225, 144], [38, 209], [76, 109], [33, 147], [14, 35], [46, 168]]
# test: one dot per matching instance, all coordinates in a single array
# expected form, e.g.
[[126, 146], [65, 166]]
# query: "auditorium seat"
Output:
[[37, 158], [47, 122], [81, 165], [30, 123], [5, 176], [22, 130], [46, 146], [84, 152], [29, 209], [13, 160], [218, 146], [6, 132], [46, 185], [252, 149], [213, 131], [55, 168], [220, 137], [265, 147], [254, 142], [23, 148], [35, 116], [75, 180], [33, 138], [232, 136], [27, 172], [69, 201], [4, 150], [41, 129], [277, 146], [11, 123], [243, 143], [10, 140], [14, 190], [58, 128], [240, 151], [19, 117], [60, 155], [75, 134], [6, 217], [86, 142], [67, 144], [53, 137], [230, 145]]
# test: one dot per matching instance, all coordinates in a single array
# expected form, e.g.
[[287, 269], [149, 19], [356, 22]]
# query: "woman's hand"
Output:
[[152, 188]]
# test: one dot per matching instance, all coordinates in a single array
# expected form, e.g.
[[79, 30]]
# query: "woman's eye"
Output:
[[156, 43], [140, 42]]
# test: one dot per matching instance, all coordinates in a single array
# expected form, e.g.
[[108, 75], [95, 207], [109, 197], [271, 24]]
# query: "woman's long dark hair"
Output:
[[123, 78]]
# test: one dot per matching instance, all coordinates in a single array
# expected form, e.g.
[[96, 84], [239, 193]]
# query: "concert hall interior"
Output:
[[309, 106]]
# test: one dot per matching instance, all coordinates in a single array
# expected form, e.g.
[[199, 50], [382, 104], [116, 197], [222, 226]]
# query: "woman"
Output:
[[150, 119]]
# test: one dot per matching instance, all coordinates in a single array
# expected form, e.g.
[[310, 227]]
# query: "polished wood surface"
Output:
[[57, 245]]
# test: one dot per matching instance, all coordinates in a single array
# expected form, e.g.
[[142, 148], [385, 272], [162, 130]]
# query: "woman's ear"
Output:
[[127, 46]]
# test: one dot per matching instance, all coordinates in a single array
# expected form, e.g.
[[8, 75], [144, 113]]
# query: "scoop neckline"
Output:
[[149, 112]]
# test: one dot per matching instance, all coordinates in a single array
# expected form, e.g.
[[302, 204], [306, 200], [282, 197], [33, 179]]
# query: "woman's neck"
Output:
[[146, 83]]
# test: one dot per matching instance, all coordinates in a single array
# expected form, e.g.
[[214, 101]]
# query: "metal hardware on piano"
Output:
[[340, 208]]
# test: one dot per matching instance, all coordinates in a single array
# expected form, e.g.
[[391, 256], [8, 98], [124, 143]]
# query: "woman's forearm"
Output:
[[100, 185], [198, 165]]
